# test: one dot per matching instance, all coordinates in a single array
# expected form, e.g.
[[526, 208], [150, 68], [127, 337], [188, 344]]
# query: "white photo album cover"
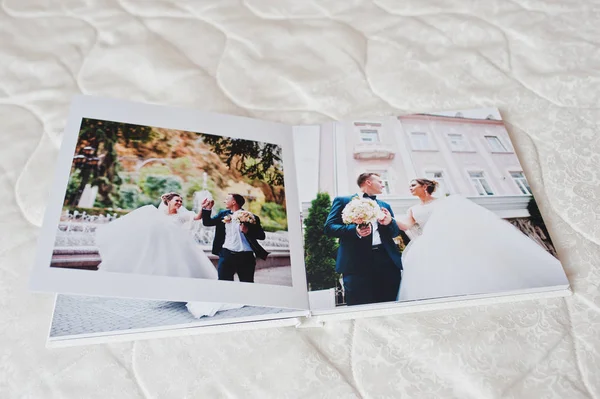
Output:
[[197, 220]]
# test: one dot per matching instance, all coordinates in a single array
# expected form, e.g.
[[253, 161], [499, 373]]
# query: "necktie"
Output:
[[373, 197]]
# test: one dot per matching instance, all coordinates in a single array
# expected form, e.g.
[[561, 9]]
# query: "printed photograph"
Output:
[[154, 201], [420, 207]]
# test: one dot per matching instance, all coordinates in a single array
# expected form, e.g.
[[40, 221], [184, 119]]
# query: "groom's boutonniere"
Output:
[[227, 219]]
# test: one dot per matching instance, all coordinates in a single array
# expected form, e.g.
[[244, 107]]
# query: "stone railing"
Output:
[[77, 230], [77, 217]]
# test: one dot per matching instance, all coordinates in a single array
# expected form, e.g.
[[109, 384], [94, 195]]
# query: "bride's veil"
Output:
[[162, 207]]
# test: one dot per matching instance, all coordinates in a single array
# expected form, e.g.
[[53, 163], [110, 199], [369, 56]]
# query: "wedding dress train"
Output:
[[462, 248], [151, 241]]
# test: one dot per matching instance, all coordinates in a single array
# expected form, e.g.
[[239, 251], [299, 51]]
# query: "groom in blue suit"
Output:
[[368, 258]]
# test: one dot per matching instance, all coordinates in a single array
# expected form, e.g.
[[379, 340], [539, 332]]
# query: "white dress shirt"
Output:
[[235, 241]]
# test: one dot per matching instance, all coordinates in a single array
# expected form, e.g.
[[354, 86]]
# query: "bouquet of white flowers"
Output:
[[361, 211], [242, 216]]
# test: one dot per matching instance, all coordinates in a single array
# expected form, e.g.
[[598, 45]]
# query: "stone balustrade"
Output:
[[75, 246]]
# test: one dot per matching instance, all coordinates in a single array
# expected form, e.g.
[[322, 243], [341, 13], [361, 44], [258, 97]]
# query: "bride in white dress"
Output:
[[158, 241], [461, 248]]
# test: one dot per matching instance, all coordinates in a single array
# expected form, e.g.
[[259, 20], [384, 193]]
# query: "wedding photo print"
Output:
[[166, 202], [162, 203], [420, 207]]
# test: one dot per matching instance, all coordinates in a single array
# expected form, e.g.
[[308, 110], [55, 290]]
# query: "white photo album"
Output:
[[165, 220]]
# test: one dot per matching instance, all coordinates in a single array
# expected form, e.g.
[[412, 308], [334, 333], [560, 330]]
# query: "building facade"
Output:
[[467, 156], [473, 157]]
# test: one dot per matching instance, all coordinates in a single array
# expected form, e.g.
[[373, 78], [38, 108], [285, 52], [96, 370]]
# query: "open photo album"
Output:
[[165, 221]]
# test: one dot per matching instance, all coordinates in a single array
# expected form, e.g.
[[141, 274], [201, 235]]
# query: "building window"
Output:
[[438, 176], [420, 141], [495, 144], [458, 142], [383, 174], [369, 135], [480, 183], [521, 181]]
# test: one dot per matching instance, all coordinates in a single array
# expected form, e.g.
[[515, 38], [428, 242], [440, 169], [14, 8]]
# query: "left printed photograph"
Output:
[[153, 202], [148, 200]]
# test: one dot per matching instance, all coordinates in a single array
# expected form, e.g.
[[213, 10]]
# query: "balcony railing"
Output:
[[373, 151]]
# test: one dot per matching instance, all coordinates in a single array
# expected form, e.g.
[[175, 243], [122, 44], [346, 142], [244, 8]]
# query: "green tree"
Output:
[[128, 196], [73, 185], [156, 185], [104, 135], [273, 215], [253, 159], [143, 199], [319, 248]]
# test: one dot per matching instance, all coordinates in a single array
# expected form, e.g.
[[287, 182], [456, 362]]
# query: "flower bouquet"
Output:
[[242, 216], [361, 211]]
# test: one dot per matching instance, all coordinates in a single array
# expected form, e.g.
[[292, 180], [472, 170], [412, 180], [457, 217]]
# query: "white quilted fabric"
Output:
[[309, 62]]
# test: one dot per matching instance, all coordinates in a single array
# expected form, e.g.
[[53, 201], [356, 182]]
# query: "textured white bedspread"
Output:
[[307, 62]]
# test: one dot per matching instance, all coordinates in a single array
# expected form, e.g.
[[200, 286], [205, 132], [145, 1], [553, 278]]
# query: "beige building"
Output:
[[473, 157], [470, 154]]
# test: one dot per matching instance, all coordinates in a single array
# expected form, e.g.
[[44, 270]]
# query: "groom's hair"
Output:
[[238, 199], [363, 177]]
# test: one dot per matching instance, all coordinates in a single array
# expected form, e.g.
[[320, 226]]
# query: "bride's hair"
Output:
[[430, 185], [169, 196]]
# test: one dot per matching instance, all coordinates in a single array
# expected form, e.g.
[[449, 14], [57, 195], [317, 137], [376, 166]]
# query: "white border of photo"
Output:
[[60, 280]]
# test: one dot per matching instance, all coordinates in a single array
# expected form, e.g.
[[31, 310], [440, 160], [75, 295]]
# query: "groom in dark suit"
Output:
[[368, 258], [235, 243]]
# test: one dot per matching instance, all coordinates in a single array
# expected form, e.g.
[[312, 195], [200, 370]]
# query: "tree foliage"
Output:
[[139, 163], [255, 160], [319, 249], [273, 216], [73, 185], [103, 136], [156, 185], [129, 195]]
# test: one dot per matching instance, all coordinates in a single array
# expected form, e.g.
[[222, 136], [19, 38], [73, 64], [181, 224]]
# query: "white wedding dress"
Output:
[[461, 248], [152, 241]]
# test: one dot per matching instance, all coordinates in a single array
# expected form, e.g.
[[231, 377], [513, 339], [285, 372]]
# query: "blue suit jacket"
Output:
[[354, 252]]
